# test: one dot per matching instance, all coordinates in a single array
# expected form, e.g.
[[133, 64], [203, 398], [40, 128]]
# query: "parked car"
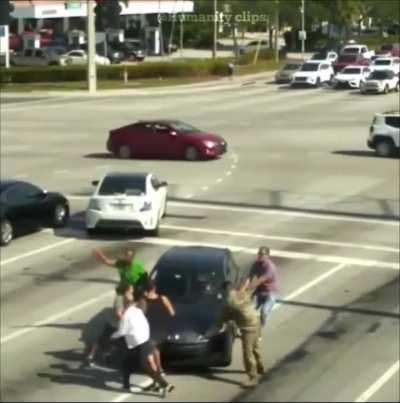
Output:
[[132, 49], [115, 55], [164, 139], [37, 57], [136, 200], [79, 56], [26, 206], [285, 74], [387, 50], [386, 63], [324, 57], [384, 134], [355, 49], [313, 73], [193, 278], [351, 76], [346, 60], [381, 81]]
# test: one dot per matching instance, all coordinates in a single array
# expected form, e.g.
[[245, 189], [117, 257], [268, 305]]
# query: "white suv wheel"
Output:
[[384, 148]]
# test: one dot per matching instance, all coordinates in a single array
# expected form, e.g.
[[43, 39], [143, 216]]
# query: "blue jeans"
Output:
[[264, 302]]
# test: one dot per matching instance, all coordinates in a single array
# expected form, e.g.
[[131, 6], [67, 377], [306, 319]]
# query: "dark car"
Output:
[[165, 139], [193, 278], [25, 206], [131, 49], [351, 59]]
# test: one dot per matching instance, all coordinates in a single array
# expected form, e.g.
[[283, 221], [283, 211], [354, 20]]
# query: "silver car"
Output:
[[285, 74]]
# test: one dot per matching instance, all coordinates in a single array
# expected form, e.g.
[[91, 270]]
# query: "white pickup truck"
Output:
[[356, 49], [37, 57]]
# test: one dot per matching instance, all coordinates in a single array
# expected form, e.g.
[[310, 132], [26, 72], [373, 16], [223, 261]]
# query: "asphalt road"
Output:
[[298, 177]]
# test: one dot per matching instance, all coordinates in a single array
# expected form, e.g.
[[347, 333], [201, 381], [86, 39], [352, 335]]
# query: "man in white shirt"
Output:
[[135, 328]]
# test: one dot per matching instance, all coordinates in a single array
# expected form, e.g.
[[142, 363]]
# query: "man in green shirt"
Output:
[[130, 269]]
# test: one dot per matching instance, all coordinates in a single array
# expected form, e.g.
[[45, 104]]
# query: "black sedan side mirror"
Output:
[[95, 183]]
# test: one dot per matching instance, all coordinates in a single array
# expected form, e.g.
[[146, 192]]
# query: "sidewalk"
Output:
[[211, 85]]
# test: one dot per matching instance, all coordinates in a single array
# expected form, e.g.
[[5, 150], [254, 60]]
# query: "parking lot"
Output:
[[297, 177]]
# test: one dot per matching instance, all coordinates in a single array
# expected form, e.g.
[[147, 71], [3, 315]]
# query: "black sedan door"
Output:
[[25, 206]]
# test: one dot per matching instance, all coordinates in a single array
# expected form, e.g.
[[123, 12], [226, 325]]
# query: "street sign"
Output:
[[302, 35]]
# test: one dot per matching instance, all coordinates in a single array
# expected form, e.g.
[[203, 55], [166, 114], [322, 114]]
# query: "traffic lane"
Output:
[[65, 374], [274, 224], [182, 225], [352, 347]]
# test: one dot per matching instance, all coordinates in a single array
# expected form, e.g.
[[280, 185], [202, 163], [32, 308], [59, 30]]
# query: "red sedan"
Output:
[[346, 60], [165, 139]]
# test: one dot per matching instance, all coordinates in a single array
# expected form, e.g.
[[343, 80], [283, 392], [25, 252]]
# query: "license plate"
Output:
[[122, 207]]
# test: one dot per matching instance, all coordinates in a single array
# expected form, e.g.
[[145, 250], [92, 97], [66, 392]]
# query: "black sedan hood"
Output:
[[193, 320]]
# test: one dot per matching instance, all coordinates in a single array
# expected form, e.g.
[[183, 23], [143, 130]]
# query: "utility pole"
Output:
[[91, 45], [276, 30], [303, 33], [181, 35], [214, 50]]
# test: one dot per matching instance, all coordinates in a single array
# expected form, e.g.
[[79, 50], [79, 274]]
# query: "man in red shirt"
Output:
[[265, 293]]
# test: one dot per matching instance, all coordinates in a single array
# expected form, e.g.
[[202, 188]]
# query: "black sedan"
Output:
[[193, 278], [25, 206]]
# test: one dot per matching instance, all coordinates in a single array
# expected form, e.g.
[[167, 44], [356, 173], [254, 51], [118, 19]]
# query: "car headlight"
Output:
[[94, 204], [209, 144], [146, 206], [173, 337]]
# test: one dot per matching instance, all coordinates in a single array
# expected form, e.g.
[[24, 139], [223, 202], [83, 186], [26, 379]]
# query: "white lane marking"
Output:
[[36, 251], [312, 283], [233, 166], [282, 238], [189, 196], [210, 206], [60, 172], [275, 252], [229, 173], [219, 180], [55, 317], [204, 188], [102, 167], [364, 397], [267, 211], [21, 176]]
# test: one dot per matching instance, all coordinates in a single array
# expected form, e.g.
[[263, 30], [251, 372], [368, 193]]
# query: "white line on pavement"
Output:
[[54, 318], [189, 196], [204, 188], [275, 252], [101, 167], [233, 166], [269, 211], [229, 173], [219, 180], [364, 397], [281, 238], [21, 176], [61, 171], [36, 251]]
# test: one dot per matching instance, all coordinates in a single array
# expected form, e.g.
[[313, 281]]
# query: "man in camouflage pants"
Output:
[[240, 309]]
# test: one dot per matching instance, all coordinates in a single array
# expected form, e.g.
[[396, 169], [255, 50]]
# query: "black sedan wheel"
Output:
[[6, 232], [60, 215]]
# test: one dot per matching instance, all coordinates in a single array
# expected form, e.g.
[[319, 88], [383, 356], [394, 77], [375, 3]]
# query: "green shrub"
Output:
[[168, 69]]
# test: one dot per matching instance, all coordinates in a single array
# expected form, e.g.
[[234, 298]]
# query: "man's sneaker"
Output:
[[90, 361], [168, 389], [250, 383]]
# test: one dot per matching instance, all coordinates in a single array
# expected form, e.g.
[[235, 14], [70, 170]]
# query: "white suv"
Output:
[[127, 201], [384, 134], [313, 73]]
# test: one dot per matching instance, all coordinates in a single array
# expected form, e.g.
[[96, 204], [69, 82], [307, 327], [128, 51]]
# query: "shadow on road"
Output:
[[359, 153]]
